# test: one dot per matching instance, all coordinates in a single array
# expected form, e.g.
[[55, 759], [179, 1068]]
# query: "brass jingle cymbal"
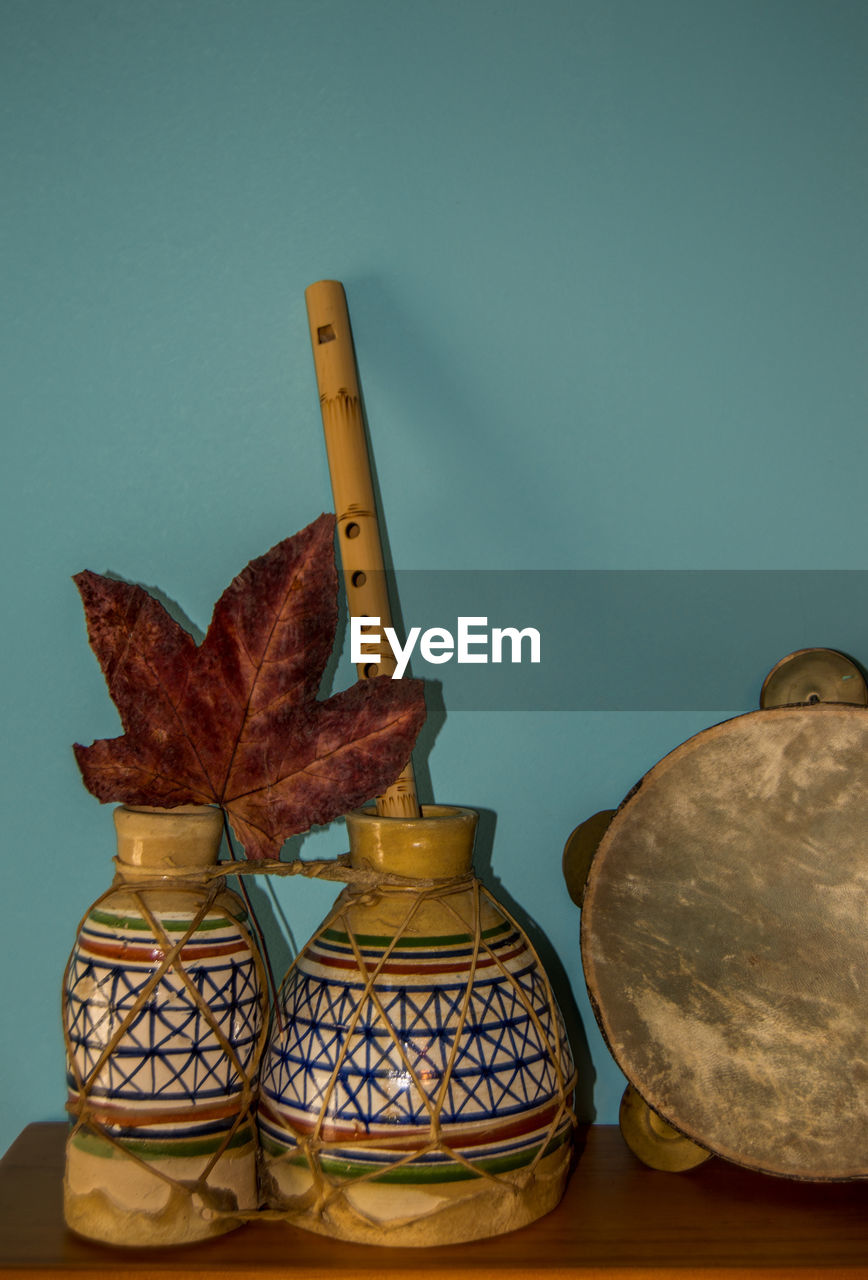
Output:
[[654, 1141], [811, 676], [579, 852]]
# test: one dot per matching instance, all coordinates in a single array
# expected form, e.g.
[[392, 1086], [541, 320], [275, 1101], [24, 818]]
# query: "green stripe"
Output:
[[153, 1148], [404, 943], [418, 1173], [171, 926]]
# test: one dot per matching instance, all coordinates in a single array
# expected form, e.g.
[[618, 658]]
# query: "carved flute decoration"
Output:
[[353, 490]]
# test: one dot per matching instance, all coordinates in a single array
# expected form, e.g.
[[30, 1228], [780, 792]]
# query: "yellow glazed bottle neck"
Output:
[[437, 846], [163, 841]]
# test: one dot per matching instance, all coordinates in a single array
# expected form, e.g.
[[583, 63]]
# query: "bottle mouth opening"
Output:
[[162, 810], [187, 836], [439, 845], [430, 813]]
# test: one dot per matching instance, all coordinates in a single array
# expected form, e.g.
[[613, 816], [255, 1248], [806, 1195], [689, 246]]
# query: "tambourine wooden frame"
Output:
[[664, 1127]]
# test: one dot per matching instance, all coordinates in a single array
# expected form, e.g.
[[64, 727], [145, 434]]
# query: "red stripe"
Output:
[[400, 966], [123, 951], [455, 1135], [138, 1119]]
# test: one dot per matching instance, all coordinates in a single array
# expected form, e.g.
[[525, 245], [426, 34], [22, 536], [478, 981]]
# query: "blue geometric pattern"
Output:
[[501, 1065], [169, 1051]]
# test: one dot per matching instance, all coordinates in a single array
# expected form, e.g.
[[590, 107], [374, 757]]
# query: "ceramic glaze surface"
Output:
[[167, 1087], [416, 1089], [337, 1069], [163, 1015]]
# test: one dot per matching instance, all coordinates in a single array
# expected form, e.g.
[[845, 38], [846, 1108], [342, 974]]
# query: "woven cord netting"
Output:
[[84, 1111], [365, 888]]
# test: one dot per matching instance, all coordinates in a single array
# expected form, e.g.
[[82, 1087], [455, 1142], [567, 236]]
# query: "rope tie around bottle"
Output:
[[83, 1108], [363, 887], [335, 869]]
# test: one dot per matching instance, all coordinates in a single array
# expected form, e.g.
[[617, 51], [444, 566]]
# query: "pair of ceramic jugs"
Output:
[[413, 1085]]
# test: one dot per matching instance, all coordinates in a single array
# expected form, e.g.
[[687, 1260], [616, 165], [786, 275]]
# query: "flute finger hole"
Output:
[[352, 530], [359, 578], [370, 670]]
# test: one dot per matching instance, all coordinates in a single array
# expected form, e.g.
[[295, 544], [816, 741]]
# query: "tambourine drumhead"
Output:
[[725, 940]]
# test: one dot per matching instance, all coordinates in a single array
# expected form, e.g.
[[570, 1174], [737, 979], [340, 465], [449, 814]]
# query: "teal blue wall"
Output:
[[607, 274]]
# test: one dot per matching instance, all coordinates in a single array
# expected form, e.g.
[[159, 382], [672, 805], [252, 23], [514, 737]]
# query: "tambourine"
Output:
[[724, 934]]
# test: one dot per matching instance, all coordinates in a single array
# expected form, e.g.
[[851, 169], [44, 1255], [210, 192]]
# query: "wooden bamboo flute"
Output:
[[353, 490]]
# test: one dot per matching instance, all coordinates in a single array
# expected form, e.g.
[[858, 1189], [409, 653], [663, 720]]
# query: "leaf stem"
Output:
[[263, 949]]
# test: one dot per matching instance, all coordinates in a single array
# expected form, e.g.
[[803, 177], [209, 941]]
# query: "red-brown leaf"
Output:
[[236, 721]]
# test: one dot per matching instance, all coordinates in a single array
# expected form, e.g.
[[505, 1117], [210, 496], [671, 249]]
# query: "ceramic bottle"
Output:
[[417, 1085], [164, 1023]]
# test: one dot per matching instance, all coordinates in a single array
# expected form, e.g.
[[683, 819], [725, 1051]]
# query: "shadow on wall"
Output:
[[586, 1076]]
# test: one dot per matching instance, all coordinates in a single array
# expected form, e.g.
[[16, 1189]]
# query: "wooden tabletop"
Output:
[[618, 1219]]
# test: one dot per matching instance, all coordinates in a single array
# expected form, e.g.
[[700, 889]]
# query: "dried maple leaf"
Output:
[[236, 720]]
